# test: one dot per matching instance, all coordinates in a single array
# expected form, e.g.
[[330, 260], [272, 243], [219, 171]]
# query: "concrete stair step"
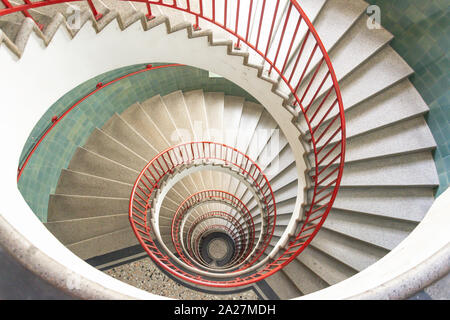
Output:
[[119, 129], [337, 16], [270, 152], [357, 46], [104, 244], [281, 162], [195, 102], [264, 131], [214, 104], [310, 7], [283, 286], [177, 108], [106, 146], [158, 113], [9, 26], [410, 204], [82, 184], [67, 207], [333, 22], [381, 110], [403, 137], [125, 9], [303, 278], [233, 108], [287, 192], [286, 207], [73, 231], [251, 114], [91, 163], [287, 176], [377, 74], [278, 231], [408, 170], [353, 253], [380, 231], [136, 117], [326, 267]]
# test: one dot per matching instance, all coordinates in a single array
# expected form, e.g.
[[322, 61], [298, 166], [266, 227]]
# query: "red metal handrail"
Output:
[[239, 235], [210, 228], [306, 70], [165, 164], [212, 195]]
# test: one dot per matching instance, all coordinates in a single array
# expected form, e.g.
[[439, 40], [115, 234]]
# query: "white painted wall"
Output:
[[29, 86]]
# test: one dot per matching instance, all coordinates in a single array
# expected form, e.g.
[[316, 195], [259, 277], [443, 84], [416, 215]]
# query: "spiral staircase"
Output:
[[218, 199]]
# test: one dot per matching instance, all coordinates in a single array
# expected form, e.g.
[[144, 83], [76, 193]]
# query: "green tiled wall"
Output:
[[422, 38], [41, 175]]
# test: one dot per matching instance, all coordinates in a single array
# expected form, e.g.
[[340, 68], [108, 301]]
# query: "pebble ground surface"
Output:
[[144, 275]]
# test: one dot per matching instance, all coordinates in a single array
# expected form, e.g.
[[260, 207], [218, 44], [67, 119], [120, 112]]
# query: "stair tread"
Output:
[[77, 183], [409, 204], [329, 269], [91, 163], [158, 113], [195, 103], [69, 207], [176, 106], [355, 254], [117, 128], [72, 231], [104, 244], [380, 231], [354, 48], [106, 146], [251, 114], [141, 122], [382, 71], [233, 107], [415, 169], [305, 280], [214, 104], [403, 137], [382, 110], [283, 286]]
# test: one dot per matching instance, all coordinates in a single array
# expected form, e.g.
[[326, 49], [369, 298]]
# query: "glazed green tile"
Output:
[[421, 30]]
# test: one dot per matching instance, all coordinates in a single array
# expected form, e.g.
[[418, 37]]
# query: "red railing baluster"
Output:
[[95, 13], [238, 8], [260, 23], [271, 27]]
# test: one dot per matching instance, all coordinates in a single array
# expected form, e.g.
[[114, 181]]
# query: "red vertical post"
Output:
[[238, 7], [249, 20], [24, 12], [149, 14], [96, 14]]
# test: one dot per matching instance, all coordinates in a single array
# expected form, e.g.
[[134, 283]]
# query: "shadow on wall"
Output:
[[421, 30]]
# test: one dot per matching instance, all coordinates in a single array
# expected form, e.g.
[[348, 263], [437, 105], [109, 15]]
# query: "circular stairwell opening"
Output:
[[219, 249]]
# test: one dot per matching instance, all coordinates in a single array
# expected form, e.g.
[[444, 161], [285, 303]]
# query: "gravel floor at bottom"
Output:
[[144, 275]]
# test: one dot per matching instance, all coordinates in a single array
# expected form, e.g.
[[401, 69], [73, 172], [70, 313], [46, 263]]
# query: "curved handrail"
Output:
[[211, 195], [240, 245], [164, 164], [302, 64], [208, 229]]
